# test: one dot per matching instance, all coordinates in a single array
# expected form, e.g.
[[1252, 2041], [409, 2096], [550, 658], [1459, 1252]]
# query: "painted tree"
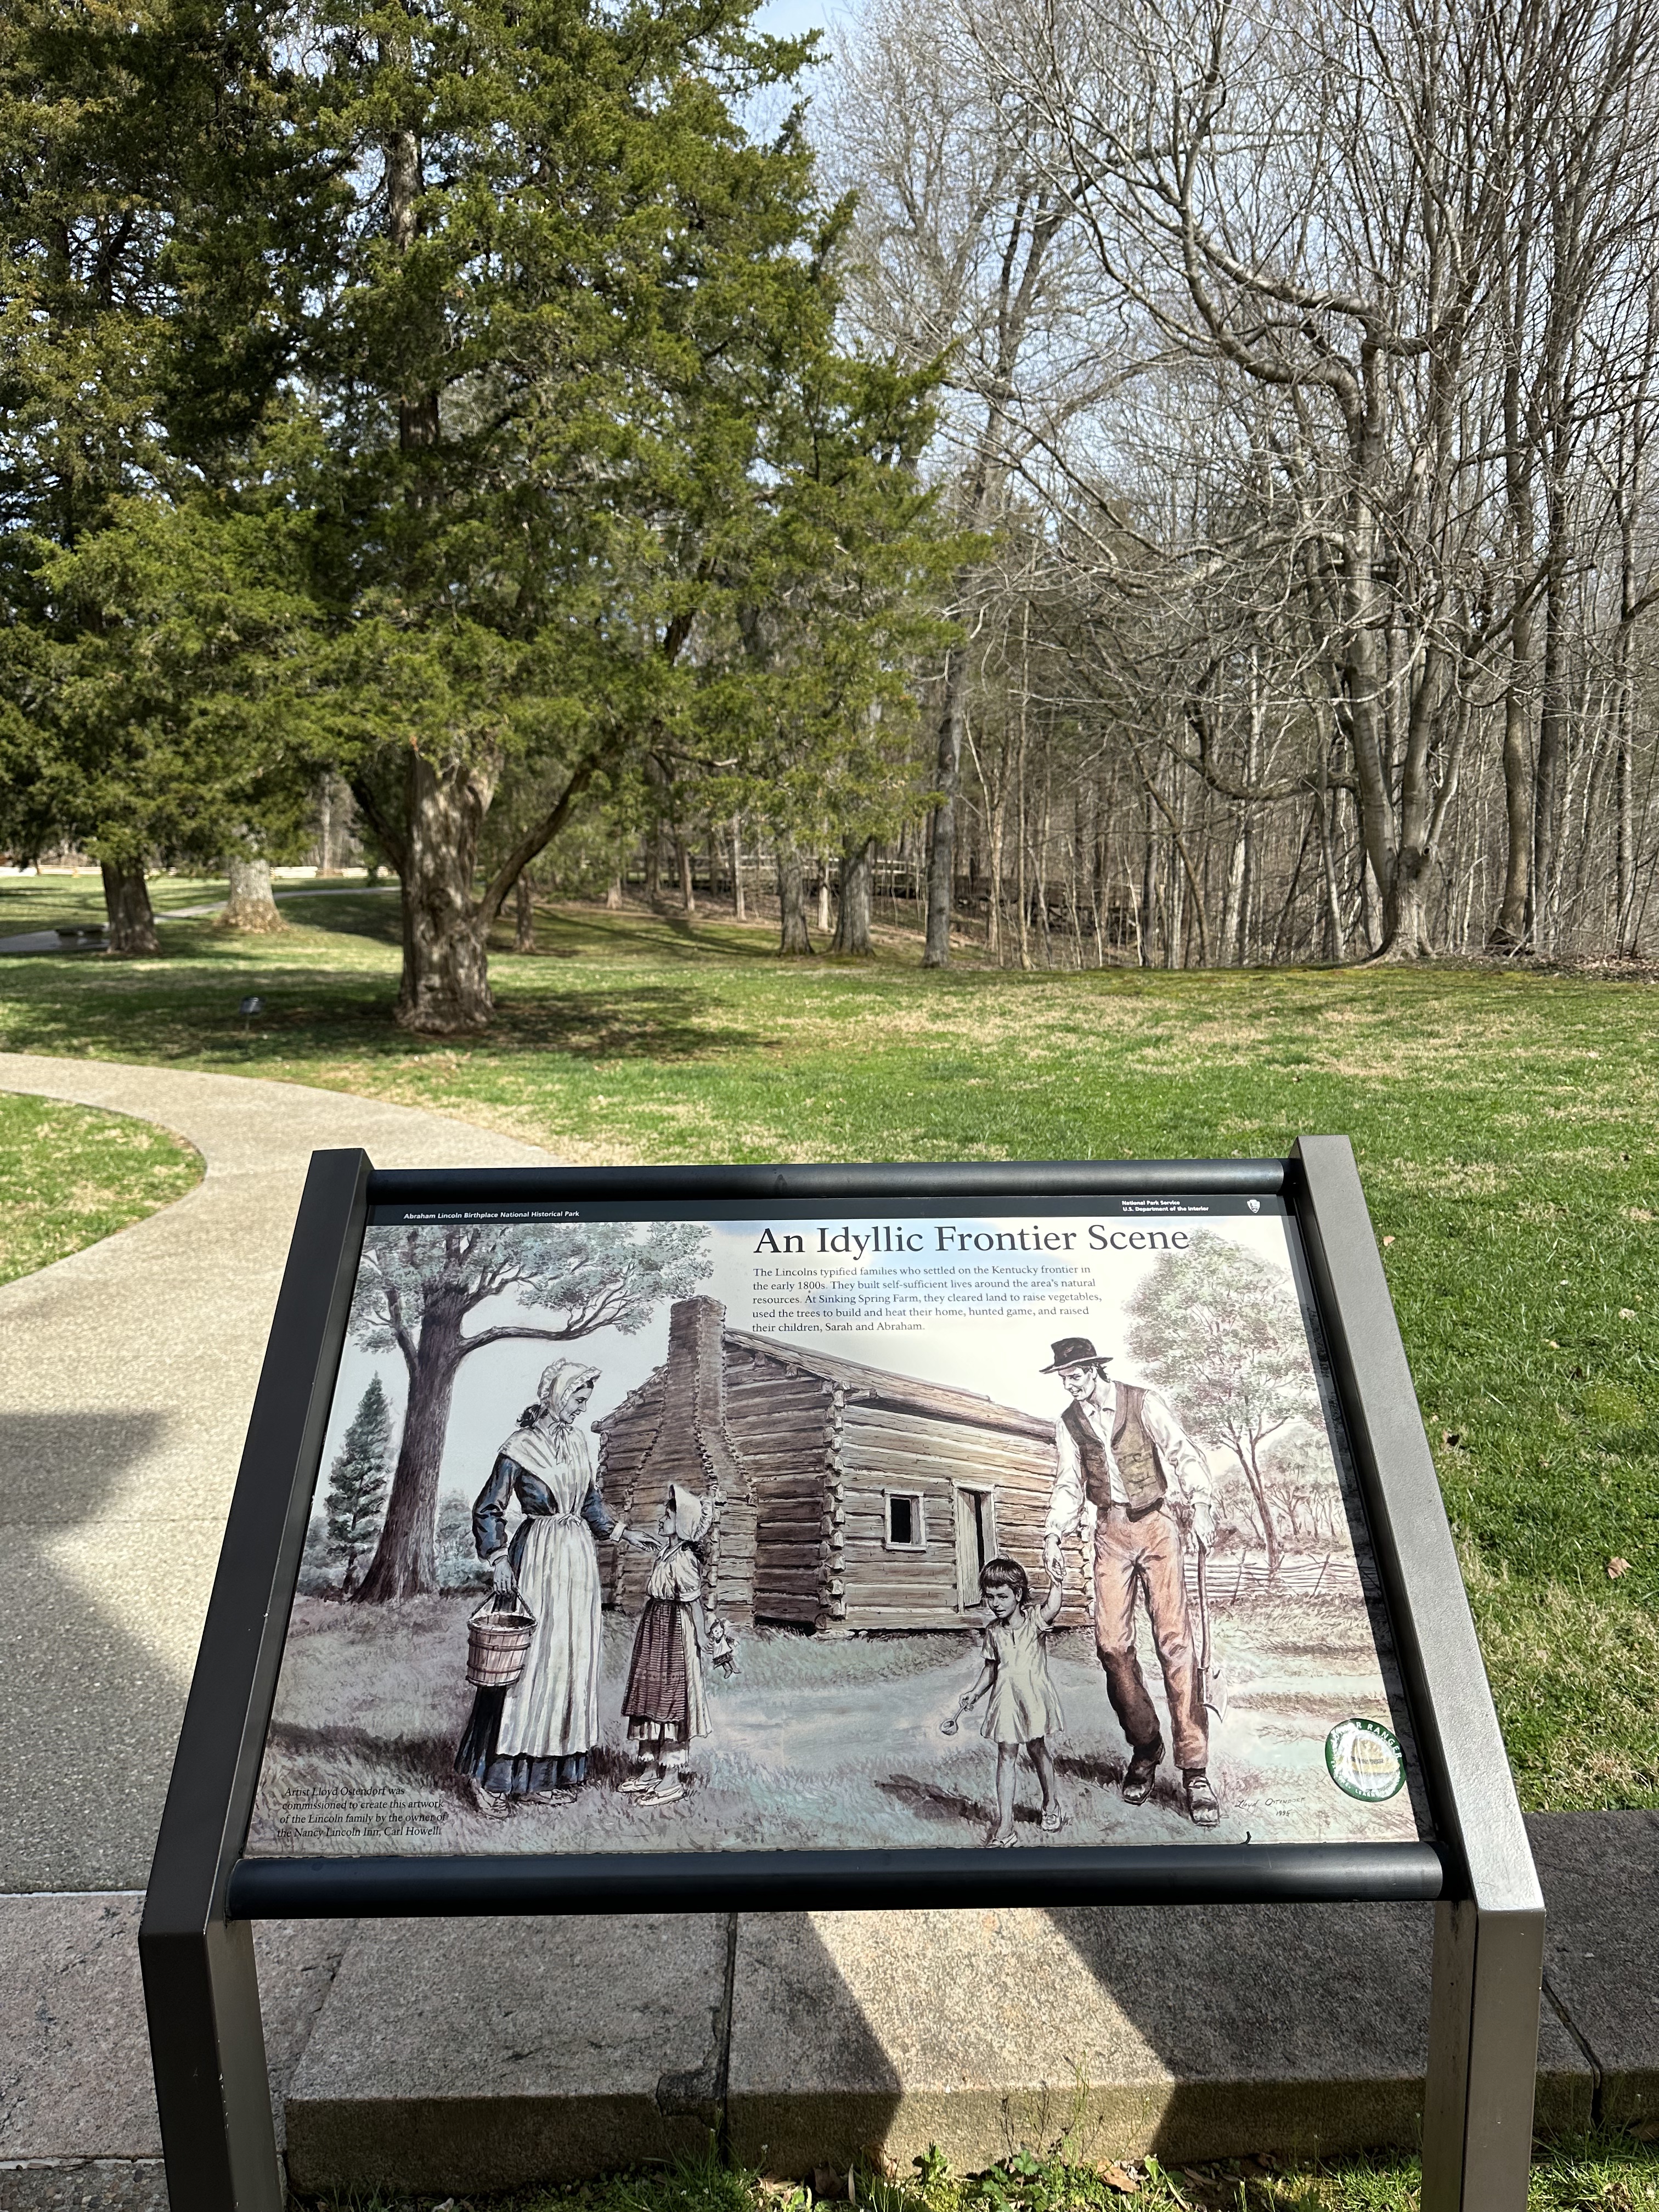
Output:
[[356, 1481], [420, 1284], [1220, 1333]]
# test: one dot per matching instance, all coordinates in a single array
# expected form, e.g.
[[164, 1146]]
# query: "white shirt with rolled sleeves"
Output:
[[1185, 1468]]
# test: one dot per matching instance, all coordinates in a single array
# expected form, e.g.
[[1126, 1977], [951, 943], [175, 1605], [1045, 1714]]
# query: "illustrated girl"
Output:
[[529, 1743], [665, 1703], [1025, 1707]]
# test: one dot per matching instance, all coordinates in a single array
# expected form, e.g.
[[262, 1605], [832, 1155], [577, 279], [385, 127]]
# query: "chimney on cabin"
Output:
[[693, 1446]]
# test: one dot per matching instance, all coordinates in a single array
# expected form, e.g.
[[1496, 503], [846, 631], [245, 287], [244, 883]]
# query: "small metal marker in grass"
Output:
[[838, 1406]]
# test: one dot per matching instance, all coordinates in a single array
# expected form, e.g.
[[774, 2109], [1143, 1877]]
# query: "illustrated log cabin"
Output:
[[852, 1497]]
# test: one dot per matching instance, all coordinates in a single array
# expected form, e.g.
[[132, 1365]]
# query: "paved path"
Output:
[[126, 1374]]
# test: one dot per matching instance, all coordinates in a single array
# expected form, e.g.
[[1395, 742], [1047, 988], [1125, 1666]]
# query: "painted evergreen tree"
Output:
[[356, 1481]]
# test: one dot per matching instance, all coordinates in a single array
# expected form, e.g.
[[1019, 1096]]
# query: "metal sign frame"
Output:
[[196, 1940]]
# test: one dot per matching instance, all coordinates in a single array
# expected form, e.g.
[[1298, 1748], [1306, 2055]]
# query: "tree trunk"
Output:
[[1245, 1448], [1547, 769], [682, 861], [1335, 940], [126, 902], [1232, 901], [942, 849], [1508, 931], [613, 896], [1148, 889], [851, 939], [792, 900], [446, 980], [737, 910], [524, 916], [405, 1562], [823, 899], [250, 906]]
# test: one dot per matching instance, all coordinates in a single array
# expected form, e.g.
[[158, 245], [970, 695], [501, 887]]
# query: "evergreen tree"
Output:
[[356, 1482], [556, 345], [142, 335]]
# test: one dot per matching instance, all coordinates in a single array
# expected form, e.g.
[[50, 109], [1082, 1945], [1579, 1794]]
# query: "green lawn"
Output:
[[70, 1175], [1601, 2173], [1504, 1122]]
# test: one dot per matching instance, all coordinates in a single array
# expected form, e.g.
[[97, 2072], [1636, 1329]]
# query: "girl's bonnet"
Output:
[[689, 1515]]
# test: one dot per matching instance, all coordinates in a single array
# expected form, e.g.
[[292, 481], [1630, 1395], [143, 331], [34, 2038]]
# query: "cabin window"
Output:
[[907, 1526]]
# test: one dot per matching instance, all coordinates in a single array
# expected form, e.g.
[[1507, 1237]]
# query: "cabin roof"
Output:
[[906, 1393]]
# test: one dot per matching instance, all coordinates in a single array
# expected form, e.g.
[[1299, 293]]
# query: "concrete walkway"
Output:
[[126, 1374]]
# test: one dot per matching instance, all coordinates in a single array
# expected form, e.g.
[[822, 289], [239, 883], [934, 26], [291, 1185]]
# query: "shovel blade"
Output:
[[1215, 1690]]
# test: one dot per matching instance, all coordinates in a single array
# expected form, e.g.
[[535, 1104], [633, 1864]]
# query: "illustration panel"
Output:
[[811, 1531]]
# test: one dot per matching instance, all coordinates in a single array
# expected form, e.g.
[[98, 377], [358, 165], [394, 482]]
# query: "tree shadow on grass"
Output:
[[312, 1011], [653, 1022]]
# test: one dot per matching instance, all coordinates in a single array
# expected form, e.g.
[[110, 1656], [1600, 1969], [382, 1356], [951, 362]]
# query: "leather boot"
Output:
[[1142, 1771], [1202, 1809]]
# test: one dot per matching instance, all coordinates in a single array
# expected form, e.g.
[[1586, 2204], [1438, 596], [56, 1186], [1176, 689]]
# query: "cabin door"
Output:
[[976, 1540]]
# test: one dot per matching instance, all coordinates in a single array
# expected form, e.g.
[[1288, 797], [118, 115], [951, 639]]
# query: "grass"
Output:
[[1505, 1123], [1605, 2172], [71, 1175]]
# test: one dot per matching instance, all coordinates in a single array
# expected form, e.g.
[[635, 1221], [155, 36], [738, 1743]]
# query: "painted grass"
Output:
[[70, 1175], [1505, 1123], [1601, 2173]]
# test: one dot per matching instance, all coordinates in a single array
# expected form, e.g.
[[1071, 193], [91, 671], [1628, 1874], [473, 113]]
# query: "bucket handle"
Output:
[[501, 1602]]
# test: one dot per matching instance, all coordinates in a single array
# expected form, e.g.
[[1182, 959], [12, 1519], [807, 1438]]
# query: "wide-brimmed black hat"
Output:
[[1075, 1352]]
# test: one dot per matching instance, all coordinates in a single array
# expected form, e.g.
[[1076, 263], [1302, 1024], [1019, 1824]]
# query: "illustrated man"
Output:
[[1122, 1451]]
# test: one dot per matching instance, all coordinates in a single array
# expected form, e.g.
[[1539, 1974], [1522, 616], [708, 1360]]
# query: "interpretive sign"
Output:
[[706, 1530], [830, 1537]]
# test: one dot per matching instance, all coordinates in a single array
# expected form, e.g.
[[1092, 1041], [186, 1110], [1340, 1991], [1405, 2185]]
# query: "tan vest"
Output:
[[1138, 1467]]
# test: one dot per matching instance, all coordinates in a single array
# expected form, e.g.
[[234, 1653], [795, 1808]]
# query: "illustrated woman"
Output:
[[529, 1743], [664, 1702], [1025, 1707]]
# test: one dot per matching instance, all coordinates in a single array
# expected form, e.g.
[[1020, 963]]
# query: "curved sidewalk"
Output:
[[126, 1374]]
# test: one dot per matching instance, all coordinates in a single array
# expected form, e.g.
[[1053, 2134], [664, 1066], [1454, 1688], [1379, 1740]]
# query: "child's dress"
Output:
[[663, 1701], [1025, 1703]]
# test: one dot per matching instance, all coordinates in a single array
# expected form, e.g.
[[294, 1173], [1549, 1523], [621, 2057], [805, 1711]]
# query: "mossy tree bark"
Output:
[[252, 905], [851, 939], [793, 940]]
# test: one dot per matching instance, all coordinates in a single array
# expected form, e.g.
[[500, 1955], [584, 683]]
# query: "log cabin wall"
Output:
[[673, 1430], [888, 1450], [625, 1438], [783, 1422], [814, 1451]]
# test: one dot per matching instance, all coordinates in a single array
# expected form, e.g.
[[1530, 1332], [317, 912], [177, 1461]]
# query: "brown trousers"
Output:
[[1146, 1555]]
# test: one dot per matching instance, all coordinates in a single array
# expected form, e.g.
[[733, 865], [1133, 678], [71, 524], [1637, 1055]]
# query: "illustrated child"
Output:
[[1025, 1706], [664, 1701]]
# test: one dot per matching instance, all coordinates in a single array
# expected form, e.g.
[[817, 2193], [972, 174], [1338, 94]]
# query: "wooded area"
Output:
[[1118, 485]]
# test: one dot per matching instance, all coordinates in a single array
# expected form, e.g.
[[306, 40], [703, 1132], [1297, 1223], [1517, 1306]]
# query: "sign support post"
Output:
[[201, 1991], [196, 1944], [1489, 1945]]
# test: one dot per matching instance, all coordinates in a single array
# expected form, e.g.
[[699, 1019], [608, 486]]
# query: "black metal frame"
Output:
[[195, 1943]]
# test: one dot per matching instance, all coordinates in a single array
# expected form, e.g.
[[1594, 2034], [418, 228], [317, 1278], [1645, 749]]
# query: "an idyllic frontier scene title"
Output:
[[816, 1532]]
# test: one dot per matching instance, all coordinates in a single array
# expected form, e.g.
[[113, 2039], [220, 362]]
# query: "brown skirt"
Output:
[[658, 1688]]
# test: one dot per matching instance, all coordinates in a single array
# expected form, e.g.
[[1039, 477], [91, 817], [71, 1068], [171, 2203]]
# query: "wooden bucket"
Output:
[[497, 1646]]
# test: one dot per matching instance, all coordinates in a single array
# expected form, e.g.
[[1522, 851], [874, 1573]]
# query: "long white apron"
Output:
[[553, 1708]]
